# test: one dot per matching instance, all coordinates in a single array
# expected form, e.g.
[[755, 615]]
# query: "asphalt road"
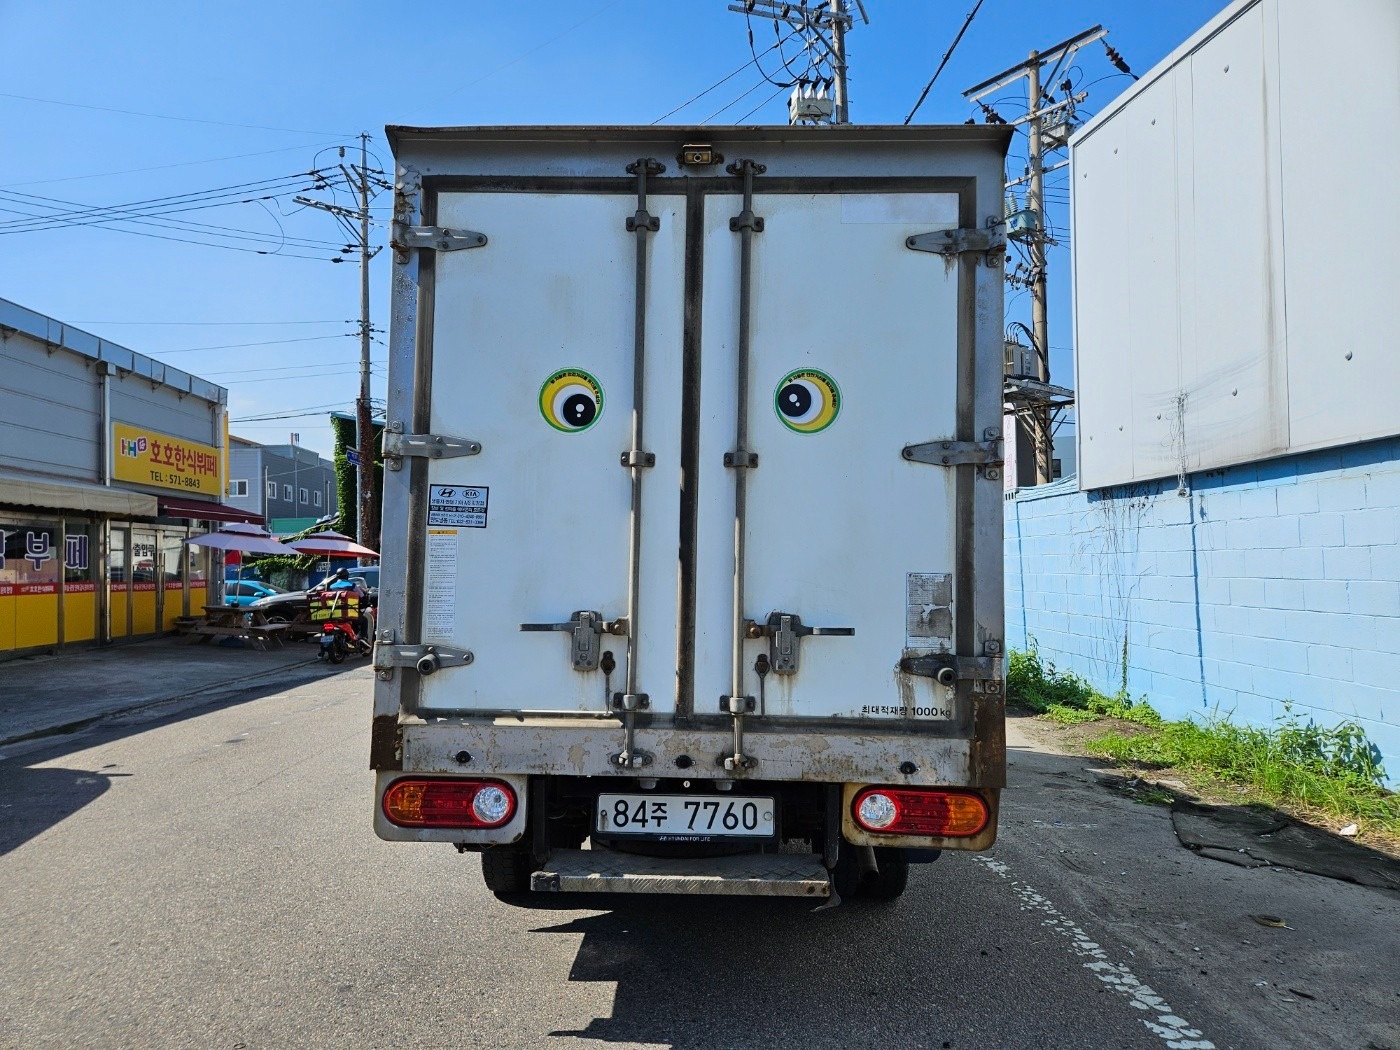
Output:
[[206, 875]]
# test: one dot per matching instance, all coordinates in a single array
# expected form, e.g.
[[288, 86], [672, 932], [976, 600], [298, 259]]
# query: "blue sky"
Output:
[[274, 89]]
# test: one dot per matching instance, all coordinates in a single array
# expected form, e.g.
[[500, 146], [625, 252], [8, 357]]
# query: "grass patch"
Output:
[[1291, 765], [1064, 697]]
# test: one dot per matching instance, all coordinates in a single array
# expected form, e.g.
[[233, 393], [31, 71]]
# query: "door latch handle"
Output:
[[784, 631], [587, 629]]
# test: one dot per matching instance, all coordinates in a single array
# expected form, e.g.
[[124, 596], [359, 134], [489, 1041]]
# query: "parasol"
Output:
[[331, 545], [250, 539]]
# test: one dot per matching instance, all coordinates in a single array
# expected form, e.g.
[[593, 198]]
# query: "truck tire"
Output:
[[506, 870], [893, 877]]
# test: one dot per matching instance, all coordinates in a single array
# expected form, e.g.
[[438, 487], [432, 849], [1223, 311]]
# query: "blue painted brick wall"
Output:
[[1268, 584]]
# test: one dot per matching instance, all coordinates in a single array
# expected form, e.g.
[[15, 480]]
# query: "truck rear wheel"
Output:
[[506, 870]]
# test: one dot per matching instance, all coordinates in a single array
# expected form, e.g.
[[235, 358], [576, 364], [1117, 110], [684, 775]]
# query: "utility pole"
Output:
[[823, 30], [360, 180], [838, 60], [364, 422], [1039, 105]]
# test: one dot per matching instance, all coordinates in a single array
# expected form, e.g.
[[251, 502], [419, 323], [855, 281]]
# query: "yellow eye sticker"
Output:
[[807, 400], [571, 400]]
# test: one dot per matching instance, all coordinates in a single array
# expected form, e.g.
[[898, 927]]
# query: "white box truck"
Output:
[[692, 535]]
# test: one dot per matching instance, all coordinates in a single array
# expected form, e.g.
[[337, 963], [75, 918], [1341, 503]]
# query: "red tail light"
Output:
[[424, 802], [920, 811]]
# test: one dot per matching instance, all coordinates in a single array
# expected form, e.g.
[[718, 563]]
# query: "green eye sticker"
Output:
[[571, 400], [807, 400]]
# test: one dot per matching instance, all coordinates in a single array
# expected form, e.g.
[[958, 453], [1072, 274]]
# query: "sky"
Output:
[[110, 105]]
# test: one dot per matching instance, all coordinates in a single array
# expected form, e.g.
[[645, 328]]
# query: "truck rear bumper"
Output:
[[586, 748], [748, 875]]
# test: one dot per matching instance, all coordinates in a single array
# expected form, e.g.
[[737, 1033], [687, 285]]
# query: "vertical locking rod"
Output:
[[636, 459], [745, 224]]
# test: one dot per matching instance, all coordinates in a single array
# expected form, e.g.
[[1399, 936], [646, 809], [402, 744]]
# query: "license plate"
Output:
[[680, 817]]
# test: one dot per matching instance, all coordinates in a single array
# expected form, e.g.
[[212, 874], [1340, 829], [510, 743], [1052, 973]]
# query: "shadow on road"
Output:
[[35, 797], [706, 972]]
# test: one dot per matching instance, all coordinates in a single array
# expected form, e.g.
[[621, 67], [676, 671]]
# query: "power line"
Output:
[[265, 342], [171, 204], [162, 167], [946, 55], [335, 320], [721, 80], [288, 413], [756, 108], [733, 101], [206, 244], [158, 220], [166, 116]]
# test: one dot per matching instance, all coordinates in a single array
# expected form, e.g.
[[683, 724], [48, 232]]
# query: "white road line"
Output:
[[1172, 1029]]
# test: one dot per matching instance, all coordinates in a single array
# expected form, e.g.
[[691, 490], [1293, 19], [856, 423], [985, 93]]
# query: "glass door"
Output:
[[146, 582], [119, 584]]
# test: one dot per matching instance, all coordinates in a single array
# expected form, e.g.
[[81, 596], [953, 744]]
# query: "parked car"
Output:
[[246, 592], [284, 606]]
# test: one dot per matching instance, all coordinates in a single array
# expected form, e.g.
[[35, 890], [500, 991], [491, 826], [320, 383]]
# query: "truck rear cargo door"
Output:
[[527, 554], [853, 355]]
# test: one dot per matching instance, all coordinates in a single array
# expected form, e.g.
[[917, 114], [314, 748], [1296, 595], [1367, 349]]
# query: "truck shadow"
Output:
[[710, 972], [35, 796]]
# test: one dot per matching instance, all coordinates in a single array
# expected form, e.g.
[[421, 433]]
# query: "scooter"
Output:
[[339, 638]]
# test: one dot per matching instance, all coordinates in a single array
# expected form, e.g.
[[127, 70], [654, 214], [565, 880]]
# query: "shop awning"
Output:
[[206, 510], [51, 494]]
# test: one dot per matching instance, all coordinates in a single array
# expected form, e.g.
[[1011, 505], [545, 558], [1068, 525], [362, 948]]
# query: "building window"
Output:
[[238, 488], [272, 490], [316, 498], [1057, 470], [287, 493], [304, 498]]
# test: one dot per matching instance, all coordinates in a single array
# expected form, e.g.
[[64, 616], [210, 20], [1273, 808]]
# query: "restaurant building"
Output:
[[109, 461]]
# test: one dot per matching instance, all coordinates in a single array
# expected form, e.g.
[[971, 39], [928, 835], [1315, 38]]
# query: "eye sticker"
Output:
[[571, 400], [807, 400]]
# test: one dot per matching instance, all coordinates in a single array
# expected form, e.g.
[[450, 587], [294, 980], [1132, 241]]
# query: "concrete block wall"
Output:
[[1251, 588]]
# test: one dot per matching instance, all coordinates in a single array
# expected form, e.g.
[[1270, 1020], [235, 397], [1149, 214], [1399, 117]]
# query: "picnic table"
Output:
[[231, 621]]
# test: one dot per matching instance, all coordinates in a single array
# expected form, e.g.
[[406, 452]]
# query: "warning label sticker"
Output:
[[440, 599], [462, 506]]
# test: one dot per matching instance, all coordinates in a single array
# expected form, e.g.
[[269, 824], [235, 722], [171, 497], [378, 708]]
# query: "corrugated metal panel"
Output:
[[57, 334], [134, 401], [1224, 263], [50, 410], [1342, 262]]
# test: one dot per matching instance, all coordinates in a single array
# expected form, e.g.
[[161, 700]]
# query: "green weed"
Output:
[[1334, 769], [1063, 696]]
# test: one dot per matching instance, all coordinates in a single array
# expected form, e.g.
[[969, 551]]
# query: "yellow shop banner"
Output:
[[147, 457]]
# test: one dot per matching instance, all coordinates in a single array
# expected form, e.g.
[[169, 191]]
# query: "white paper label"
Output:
[[440, 590], [461, 505]]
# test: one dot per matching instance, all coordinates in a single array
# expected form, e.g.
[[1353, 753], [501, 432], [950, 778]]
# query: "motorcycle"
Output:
[[339, 612]]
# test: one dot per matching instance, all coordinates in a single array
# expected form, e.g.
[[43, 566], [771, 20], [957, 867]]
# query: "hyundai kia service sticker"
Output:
[[463, 506]]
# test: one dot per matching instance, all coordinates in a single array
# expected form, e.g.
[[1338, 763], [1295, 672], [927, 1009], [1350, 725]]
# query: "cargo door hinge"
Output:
[[425, 659], [398, 446], [950, 453], [404, 238], [952, 243]]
